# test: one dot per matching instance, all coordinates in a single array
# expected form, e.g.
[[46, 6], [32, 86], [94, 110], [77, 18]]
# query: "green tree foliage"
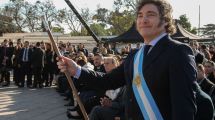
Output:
[[27, 16], [31, 17], [81, 32], [15, 9], [118, 20], [126, 4], [101, 15], [99, 29], [122, 17], [47, 9], [184, 21], [194, 30], [72, 22], [208, 30], [58, 29], [6, 26]]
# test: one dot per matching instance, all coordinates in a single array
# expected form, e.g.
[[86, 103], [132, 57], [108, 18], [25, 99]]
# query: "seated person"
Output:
[[109, 109], [112, 105], [88, 98]]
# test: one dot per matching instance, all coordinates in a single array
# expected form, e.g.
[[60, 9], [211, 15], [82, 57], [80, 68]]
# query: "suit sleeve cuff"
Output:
[[78, 72]]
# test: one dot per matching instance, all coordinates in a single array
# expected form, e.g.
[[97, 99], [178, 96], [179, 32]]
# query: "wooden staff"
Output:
[[66, 72]]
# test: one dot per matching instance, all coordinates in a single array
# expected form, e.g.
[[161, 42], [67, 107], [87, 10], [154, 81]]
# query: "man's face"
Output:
[[211, 49], [109, 65], [90, 57], [5, 43], [26, 44], [81, 46], [194, 45], [97, 60], [100, 45], [208, 68], [148, 22]]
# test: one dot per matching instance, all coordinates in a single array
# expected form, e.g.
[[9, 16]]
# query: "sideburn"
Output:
[[161, 22]]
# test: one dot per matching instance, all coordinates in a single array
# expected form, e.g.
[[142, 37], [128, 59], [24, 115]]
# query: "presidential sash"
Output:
[[142, 93]]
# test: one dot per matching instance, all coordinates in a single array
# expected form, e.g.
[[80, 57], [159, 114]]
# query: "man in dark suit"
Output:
[[168, 68], [206, 85], [199, 57], [24, 62], [15, 59], [204, 105], [6, 53], [37, 65]]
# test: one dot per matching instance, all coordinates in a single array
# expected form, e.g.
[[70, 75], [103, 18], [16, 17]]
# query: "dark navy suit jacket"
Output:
[[170, 73]]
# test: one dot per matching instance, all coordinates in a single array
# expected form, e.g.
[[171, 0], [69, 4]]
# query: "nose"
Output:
[[145, 19]]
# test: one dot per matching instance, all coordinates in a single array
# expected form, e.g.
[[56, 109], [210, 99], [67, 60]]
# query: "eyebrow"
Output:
[[139, 13], [147, 12], [152, 12]]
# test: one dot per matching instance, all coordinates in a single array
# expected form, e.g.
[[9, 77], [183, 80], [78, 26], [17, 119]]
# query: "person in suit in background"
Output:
[[49, 65], [24, 61], [167, 69], [209, 69], [37, 65], [199, 57], [6, 53], [15, 58], [205, 84], [204, 105]]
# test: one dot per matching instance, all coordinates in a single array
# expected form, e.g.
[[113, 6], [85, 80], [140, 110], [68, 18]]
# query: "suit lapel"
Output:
[[156, 51]]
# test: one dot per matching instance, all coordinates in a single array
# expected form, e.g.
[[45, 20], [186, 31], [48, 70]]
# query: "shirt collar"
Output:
[[155, 40]]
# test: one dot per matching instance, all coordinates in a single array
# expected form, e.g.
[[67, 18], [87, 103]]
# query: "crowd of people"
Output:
[[34, 66], [105, 105], [99, 61], [36, 62]]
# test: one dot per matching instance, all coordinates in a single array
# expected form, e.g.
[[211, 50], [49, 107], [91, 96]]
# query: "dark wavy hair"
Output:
[[165, 11]]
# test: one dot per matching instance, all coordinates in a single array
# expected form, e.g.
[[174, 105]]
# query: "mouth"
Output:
[[144, 27]]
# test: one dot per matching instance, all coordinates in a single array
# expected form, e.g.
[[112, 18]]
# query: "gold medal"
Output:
[[137, 81]]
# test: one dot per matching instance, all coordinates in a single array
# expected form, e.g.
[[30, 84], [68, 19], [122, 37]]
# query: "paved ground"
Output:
[[31, 104]]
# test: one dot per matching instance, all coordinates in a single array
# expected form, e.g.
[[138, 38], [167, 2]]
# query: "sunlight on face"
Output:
[[109, 64], [148, 22]]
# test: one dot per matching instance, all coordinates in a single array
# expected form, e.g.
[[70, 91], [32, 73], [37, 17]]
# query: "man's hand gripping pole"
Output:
[[66, 72]]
